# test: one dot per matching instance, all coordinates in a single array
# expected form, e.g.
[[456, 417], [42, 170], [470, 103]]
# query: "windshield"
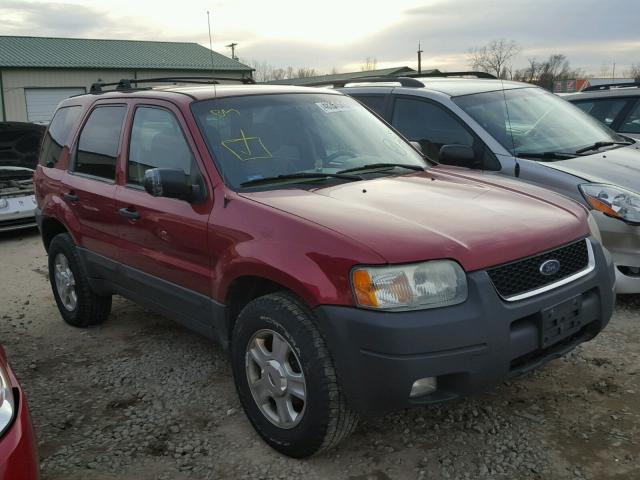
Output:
[[537, 121], [256, 137]]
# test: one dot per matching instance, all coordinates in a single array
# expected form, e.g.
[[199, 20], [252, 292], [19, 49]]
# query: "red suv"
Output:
[[344, 273]]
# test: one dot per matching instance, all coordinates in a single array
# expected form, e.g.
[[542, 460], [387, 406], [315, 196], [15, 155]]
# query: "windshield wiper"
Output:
[[299, 175], [547, 155], [599, 145], [371, 166]]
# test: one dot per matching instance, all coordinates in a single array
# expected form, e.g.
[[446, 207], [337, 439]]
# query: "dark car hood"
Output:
[[20, 144], [620, 166], [438, 214]]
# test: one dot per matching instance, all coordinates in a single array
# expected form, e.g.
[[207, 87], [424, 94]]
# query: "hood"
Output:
[[20, 144], [620, 166], [438, 214]]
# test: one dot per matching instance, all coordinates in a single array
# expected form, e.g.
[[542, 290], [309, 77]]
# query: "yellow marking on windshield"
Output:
[[247, 148], [222, 113]]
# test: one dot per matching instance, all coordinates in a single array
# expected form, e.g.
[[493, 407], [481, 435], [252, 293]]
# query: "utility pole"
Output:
[[419, 59], [233, 46], [613, 73]]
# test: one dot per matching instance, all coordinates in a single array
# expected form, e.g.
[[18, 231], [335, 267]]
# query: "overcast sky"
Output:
[[342, 33]]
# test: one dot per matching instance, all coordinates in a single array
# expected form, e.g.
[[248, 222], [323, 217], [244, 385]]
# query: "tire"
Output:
[[324, 418], [89, 308]]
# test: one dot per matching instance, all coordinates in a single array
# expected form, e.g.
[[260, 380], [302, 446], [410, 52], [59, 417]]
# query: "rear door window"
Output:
[[606, 110], [99, 142], [59, 134], [157, 141]]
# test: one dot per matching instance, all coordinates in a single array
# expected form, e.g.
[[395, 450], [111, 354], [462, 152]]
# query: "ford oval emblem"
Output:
[[550, 267]]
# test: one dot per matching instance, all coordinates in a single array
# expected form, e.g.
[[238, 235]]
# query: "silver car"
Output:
[[19, 145], [616, 105], [522, 131]]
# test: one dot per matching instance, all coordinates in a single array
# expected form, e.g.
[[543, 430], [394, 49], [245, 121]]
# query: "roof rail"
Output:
[[125, 84], [453, 74], [403, 80], [609, 86]]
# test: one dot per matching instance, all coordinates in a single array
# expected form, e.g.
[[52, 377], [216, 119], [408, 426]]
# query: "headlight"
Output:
[[437, 283], [613, 201], [6, 401], [593, 227], [3, 203]]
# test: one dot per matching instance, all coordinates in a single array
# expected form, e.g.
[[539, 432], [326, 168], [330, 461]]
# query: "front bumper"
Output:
[[18, 448], [18, 213], [623, 241], [469, 347]]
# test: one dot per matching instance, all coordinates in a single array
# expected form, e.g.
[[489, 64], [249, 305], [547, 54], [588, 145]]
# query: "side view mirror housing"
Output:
[[171, 183], [459, 156]]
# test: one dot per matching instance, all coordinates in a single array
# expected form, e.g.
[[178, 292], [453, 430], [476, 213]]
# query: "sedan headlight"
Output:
[[7, 404], [614, 201], [437, 283], [3, 203]]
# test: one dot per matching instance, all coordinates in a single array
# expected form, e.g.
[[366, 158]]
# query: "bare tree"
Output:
[[305, 72], [265, 72], [494, 57], [634, 71], [369, 64]]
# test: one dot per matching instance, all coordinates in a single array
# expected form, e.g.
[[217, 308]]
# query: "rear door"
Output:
[[89, 185], [164, 240]]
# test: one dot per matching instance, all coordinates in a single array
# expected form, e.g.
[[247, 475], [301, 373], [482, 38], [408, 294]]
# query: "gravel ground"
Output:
[[142, 398]]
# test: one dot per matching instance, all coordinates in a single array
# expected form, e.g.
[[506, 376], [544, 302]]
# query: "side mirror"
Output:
[[459, 156], [170, 183]]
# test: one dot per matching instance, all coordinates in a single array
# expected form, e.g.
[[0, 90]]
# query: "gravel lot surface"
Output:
[[142, 398]]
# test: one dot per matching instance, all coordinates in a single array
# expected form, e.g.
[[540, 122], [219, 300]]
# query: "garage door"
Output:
[[42, 102]]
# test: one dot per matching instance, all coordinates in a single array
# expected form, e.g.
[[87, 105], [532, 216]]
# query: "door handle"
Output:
[[130, 214], [72, 197]]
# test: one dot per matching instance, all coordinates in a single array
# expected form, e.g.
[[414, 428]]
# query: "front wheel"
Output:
[[286, 379]]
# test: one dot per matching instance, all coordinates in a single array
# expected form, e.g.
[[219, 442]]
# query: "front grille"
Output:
[[524, 275]]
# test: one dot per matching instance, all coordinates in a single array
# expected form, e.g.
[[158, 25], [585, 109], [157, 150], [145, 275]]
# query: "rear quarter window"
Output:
[[59, 134]]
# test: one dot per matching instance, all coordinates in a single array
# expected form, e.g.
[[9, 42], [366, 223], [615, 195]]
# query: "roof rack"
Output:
[[403, 80], [609, 86], [453, 74], [125, 84]]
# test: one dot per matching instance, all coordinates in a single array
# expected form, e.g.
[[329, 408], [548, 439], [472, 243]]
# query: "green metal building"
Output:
[[36, 73]]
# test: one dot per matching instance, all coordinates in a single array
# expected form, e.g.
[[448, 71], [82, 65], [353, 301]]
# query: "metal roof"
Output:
[[45, 52], [342, 76]]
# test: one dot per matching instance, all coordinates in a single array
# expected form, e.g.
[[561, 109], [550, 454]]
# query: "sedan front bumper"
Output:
[[623, 242], [17, 213]]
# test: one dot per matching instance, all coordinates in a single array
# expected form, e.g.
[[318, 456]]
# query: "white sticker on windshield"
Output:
[[331, 107]]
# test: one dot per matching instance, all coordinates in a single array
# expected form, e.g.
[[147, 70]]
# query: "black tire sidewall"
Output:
[[307, 437], [63, 244]]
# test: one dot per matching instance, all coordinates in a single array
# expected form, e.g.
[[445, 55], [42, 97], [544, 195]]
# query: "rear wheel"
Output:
[[286, 379], [78, 304]]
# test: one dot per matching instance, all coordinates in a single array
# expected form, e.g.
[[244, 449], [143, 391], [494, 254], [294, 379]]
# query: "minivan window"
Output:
[[604, 110], [156, 141], [264, 136], [534, 121], [59, 134], [99, 141], [429, 125], [631, 123]]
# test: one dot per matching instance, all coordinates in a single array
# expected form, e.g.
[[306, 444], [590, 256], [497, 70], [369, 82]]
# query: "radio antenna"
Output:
[[213, 70], [513, 143]]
